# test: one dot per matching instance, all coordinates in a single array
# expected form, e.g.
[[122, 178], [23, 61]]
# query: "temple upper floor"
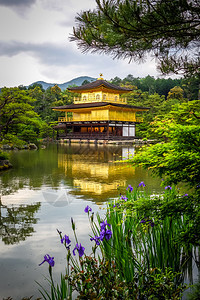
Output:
[[100, 91], [99, 96]]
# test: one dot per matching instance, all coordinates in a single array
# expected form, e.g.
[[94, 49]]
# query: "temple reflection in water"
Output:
[[97, 171]]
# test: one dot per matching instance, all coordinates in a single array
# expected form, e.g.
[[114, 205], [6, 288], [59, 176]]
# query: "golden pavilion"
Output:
[[99, 113]]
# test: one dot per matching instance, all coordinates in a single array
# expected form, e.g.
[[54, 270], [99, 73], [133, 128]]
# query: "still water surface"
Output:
[[42, 192]]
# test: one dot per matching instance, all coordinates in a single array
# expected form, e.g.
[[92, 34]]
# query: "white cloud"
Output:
[[21, 69]]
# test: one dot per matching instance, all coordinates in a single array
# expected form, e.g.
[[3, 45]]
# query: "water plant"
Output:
[[137, 250]]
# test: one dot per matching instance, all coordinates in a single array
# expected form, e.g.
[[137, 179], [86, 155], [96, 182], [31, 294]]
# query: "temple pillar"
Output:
[[108, 129]]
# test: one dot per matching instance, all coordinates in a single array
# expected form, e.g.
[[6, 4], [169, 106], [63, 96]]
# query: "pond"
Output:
[[47, 187]]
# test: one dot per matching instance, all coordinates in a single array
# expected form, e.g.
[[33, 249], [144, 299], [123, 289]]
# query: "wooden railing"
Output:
[[82, 119], [94, 136], [93, 99], [63, 119]]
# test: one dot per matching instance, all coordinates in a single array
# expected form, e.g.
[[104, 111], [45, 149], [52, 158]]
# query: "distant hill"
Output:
[[76, 81]]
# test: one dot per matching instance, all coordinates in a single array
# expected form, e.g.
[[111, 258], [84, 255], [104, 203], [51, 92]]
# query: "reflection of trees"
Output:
[[31, 169], [16, 222]]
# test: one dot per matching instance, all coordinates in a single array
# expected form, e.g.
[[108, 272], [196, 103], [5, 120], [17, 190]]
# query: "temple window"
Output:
[[116, 98], [97, 97], [104, 96], [84, 98]]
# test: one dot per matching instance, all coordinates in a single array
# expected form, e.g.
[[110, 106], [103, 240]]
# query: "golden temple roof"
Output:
[[100, 83], [98, 104]]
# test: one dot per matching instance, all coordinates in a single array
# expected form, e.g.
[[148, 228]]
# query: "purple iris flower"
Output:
[[108, 234], [80, 250], [87, 209], [105, 233], [130, 188], [124, 198], [104, 224], [66, 239], [149, 222], [168, 187], [143, 221], [141, 184], [48, 259], [102, 234], [96, 239], [186, 195]]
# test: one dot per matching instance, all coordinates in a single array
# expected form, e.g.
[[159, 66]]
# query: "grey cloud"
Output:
[[52, 55], [46, 53], [11, 48], [16, 3]]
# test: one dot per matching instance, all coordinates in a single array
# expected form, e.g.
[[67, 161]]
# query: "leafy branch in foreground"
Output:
[[167, 29]]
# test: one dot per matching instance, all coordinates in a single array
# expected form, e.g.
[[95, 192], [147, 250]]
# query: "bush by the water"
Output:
[[3, 155]]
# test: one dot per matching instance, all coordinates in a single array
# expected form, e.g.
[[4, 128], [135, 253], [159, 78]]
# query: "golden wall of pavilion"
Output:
[[101, 114]]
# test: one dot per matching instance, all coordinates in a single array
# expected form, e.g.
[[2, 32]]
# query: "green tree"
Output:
[[178, 158], [85, 82], [38, 94], [163, 86], [45, 104], [191, 87], [157, 105], [148, 84], [167, 29], [186, 113], [116, 81], [175, 93], [15, 109], [56, 91], [34, 85]]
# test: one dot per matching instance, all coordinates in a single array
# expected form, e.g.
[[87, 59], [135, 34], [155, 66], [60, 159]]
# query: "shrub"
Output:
[[3, 155], [13, 141]]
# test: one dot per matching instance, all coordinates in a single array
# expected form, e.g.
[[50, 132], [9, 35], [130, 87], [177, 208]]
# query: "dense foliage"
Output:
[[161, 86], [26, 114], [167, 29], [176, 158], [16, 111], [160, 95]]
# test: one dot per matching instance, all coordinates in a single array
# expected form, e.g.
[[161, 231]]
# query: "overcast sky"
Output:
[[34, 45]]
